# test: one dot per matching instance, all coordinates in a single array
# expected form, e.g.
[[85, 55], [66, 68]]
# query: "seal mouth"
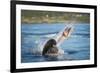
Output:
[[54, 52], [50, 47]]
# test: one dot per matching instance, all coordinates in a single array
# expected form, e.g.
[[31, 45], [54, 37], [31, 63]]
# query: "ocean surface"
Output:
[[76, 47]]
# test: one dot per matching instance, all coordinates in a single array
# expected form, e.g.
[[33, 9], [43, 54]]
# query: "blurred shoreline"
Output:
[[33, 17], [66, 22]]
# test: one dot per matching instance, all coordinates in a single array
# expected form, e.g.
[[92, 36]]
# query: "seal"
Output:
[[51, 46]]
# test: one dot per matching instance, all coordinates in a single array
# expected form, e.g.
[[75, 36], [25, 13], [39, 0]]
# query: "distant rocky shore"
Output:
[[31, 17]]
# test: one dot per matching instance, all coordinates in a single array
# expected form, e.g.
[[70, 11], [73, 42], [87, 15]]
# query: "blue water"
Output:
[[76, 47]]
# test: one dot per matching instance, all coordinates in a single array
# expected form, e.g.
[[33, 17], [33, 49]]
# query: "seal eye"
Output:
[[48, 46]]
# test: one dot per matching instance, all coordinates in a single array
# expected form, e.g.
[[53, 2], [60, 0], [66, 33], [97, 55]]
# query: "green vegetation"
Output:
[[33, 16]]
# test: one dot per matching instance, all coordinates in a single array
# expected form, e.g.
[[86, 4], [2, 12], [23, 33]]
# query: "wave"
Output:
[[51, 33], [38, 33], [81, 32]]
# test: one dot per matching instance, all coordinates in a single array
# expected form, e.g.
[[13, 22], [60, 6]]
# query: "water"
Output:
[[76, 47]]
